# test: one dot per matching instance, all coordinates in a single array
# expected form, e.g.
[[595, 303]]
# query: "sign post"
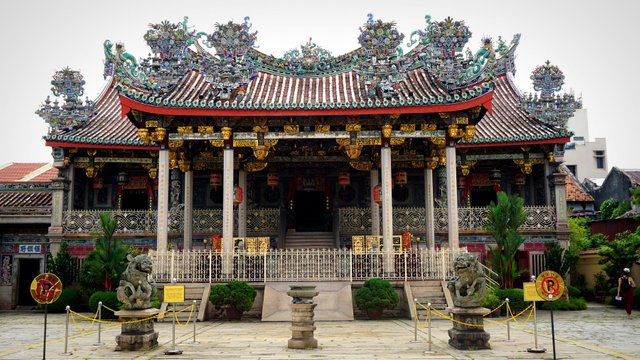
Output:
[[530, 294], [45, 289], [173, 294], [550, 286]]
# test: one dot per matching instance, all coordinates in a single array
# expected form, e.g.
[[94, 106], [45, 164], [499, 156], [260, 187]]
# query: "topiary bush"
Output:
[[516, 299], [572, 304], [236, 294], [109, 299], [376, 295], [573, 291], [69, 296], [491, 300]]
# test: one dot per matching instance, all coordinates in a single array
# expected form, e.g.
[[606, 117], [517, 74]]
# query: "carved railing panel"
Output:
[[291, 265], [264, 221], [354, 220], [129, 221], [207, 220]]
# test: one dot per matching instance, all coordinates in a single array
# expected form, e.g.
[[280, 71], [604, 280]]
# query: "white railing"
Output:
[[302, 265], [358, 220]]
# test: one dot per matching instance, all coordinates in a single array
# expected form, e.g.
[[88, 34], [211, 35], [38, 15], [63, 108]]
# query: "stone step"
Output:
[[192, 291], [309, 240]]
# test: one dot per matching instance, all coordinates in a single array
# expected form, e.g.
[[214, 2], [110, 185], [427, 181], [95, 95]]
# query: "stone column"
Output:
[[452, 195], [163, 199], [547, 187], [242, 207], [428, 207], [71, 175], [56, 230], [387, 186], [227, 209], [562, 228], [188, 210], [375, 208]]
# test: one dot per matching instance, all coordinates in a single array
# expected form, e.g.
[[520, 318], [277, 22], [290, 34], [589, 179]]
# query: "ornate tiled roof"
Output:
[[25, 201], [508, 122], [108, 127]]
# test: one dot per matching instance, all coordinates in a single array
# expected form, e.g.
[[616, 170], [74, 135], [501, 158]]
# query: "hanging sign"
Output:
[[531, 293], [46, 288], [174, 293], [550, 285]]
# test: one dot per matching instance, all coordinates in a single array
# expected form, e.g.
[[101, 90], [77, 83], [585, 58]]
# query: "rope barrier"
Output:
[[120, 322], [73, 320], [192, 307], [446, 317]]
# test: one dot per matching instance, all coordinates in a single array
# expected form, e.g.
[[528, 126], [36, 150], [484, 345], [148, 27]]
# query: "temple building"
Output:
[[210, 145]]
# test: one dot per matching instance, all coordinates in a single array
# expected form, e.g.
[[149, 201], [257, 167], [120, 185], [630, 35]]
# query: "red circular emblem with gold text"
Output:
[[46, 288]]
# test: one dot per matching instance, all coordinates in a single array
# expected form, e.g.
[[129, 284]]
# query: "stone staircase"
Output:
[[309, 240], [430, 291], [192, 291]]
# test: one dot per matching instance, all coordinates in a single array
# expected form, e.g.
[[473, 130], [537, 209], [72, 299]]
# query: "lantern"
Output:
[[462, 182], [155, 184], [122, 178], [401, 178], [98, 183], [519, 179], [495, 176], [377, 194], [344, 179], [215, 180], [272, 180], [237, 195]]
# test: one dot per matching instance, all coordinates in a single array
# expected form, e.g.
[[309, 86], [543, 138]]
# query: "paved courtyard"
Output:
[[600, 332]]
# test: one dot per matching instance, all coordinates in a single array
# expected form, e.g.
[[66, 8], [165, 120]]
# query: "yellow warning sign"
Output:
[[550, 285], [174, 293], [530, 292]]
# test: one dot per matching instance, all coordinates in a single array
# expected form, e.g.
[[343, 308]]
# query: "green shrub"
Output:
[[571, 304], [636, 297], [109, 299], [155, 302], [376, 295], [491, 300], [516, 299], [69, 296], [235, 293], [573, 291]]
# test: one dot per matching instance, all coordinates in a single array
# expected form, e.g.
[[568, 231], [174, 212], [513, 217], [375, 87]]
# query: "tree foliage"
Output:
[[62, 264], [503, 221], [103, 266], [619, 254], [612, 208], [560, 260]]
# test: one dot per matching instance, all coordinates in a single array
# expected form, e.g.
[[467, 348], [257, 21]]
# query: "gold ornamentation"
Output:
[[184, 165], [550, 156], [386, 131], [455, 132], [369, 142], [244, 143], [527, 166], [353, 125], [428, 127], [431, 162], [361, 165], [476, 110], [438, 141], [143, 134], [323, 128], [151, 123], [469, 132], [185, 130], [444, 116], [174, 144], [260, 152], [173, 160], [407, 127], [205, 130], [357, 244], [153, 173], [465, 168], [217, 143], [92, 152], [159, 134], [397, 141], [291, 128], [417, 164], [462, 120], [226, 133], [91, 172], [255, 166], [394, 116], [260, 128], [353, 151]]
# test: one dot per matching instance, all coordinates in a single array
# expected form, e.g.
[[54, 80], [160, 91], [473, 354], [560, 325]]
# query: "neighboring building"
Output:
[[332, 152], [586, 159], [579, 200], [25, 216], [617, 185]]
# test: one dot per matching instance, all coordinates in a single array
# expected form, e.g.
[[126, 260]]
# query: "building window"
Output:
[[599, 155], [578, 138], [573, 169]]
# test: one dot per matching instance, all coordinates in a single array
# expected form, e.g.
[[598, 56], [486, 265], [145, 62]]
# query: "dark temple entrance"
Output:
[[310, 211], [28, 269]]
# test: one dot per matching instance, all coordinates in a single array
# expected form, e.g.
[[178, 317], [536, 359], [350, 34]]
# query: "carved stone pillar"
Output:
[[375, 208], [452, 196], [242, 207], [188, 210], [428, 207], [55, 232], [227, 208], [547, 186], [562, 228], [387, 209], [163, 200], [71, 175]]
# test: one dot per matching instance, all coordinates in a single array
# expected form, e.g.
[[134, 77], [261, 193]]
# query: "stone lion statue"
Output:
[[135, 288], [468, 287]]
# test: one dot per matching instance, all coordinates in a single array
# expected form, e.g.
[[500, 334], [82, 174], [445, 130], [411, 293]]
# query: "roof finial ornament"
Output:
[[550, 106]]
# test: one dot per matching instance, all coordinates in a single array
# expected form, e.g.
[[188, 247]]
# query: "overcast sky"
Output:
[[595, 44]]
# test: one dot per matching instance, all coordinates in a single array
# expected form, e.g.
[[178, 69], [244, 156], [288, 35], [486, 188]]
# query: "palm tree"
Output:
[[504, 219], [103, 266]]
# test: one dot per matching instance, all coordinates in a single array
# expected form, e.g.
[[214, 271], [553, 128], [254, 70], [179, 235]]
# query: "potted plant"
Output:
[[235, 297], [375, 296]]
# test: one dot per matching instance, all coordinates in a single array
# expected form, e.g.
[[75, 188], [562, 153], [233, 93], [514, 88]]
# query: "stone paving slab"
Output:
[[597, 333]]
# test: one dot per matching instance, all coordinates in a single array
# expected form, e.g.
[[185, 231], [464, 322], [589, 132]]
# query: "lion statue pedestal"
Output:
[[467, 290], [135, 292]]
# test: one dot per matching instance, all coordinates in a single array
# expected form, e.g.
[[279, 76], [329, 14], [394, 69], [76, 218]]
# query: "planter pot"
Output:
[[233, 313], [374, 314]]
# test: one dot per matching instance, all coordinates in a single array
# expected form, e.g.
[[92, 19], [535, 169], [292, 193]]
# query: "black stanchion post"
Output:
[[194, 322], [509, 315], [553, 333], [66, 331], [44, 342]]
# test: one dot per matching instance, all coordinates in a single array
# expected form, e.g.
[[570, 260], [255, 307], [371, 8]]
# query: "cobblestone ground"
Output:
[[597, 333]]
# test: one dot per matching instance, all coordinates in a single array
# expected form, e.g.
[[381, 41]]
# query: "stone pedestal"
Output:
[[468, 337], [302, 323], [138, 335]]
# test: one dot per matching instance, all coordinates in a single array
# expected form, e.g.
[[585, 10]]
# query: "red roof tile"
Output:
[[27, 172]]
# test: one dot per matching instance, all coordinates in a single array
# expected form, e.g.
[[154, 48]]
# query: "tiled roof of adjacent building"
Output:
[[27, 172], [575, 191], [24, 187]]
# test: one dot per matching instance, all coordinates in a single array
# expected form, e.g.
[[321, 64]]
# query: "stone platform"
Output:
[[137, 334], [471, 336]]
